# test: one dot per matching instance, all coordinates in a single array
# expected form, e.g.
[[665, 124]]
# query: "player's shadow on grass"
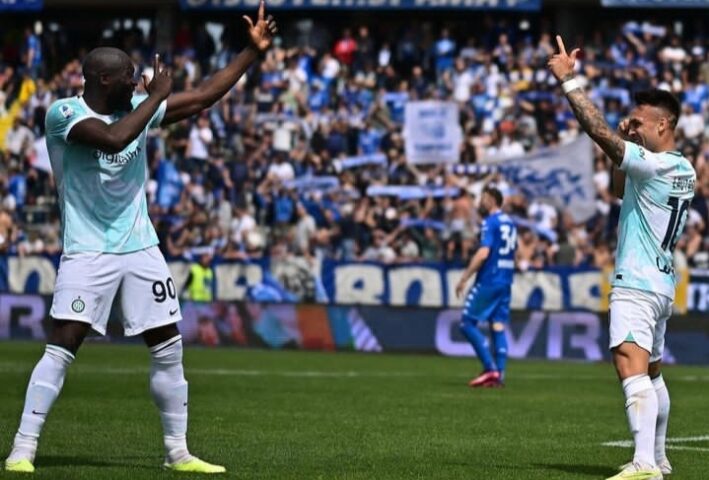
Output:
[[91, 461], [595, 470]]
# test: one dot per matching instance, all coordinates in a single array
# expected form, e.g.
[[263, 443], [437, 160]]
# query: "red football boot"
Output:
[[486, 379]]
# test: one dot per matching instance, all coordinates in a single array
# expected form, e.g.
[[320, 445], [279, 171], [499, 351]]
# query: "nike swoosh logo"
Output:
[[38, 413], [172, 312]]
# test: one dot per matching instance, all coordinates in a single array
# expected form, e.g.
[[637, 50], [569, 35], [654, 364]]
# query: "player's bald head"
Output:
[[104, 60]]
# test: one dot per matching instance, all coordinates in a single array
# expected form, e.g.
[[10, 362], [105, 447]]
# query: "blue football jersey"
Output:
[[499, 234]]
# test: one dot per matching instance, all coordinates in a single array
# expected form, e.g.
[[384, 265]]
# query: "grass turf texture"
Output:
[[299, 415]]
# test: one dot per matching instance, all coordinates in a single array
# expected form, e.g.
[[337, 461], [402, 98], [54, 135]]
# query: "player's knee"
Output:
[[629, 360], [160, 335], [68, 335], [498, 327]]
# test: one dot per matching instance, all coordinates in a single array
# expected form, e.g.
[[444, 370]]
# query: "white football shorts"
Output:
[[641, 317], [89, 282]]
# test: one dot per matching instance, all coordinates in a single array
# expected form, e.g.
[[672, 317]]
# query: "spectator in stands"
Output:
[[32, 53], [305, 229], [18, 141], [379, 251], [200, 139], [444, 52], [346, 48], [343, 98], [7, 229]]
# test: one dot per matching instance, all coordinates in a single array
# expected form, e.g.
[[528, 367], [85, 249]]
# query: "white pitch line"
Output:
[[694, 449], [619, 444], [688, 439], [670, 441], [98, 369], [227, 372], [16, 367]]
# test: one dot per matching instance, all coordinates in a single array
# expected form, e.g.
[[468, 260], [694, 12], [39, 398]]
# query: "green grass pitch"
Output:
[[300, 415]]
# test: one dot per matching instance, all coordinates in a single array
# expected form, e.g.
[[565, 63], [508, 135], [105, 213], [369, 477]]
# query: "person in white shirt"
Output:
[[18, 139], [543, 214], [241, 225], [304, 230], [201, 137], [281, 169], [463, 80], [691, 123], [379, 251]]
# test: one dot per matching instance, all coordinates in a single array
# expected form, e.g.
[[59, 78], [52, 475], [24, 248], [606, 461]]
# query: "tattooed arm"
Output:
[[588, 115], [593, 123]]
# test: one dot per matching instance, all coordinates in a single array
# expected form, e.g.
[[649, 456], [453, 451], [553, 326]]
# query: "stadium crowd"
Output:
[[262, 173]]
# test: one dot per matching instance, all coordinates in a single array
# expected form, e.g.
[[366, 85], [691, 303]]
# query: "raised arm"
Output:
[[117, 136], [185, 104], [588, 115]]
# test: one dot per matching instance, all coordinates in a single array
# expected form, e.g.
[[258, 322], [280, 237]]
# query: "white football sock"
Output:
[[44, 387], [663, 415], [169, 390], [641, 408]]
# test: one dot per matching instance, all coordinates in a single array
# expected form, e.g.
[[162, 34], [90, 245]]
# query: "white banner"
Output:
[[562, 174], [432, 132]]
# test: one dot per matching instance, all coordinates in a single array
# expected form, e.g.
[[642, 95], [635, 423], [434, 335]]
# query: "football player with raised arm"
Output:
[[96, 144], [658, 188]]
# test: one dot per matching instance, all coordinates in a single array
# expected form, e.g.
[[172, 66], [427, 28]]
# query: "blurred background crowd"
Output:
[[241, 180]]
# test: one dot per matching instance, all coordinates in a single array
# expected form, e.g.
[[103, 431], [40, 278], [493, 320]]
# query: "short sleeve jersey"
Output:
[[659, 188], [499, 234], [102, 195]]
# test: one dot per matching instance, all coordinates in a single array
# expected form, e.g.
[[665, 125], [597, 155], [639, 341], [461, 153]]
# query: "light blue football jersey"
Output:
[[102, 196], [659, 188]]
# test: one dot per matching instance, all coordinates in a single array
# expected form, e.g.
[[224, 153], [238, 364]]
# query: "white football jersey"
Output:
[[659, 188], [101, 195]]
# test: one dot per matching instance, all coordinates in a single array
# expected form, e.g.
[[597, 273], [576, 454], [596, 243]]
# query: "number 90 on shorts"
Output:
[[137, 284]]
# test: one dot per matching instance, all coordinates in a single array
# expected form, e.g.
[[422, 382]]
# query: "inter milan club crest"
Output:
[[78, 305]]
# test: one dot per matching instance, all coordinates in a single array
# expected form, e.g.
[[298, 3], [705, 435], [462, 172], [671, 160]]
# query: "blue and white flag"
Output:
[[432, 132], [307, 182], [360, 161], [473, 169], [411, 192], [423, 223], [547, 233], [562, 174]]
